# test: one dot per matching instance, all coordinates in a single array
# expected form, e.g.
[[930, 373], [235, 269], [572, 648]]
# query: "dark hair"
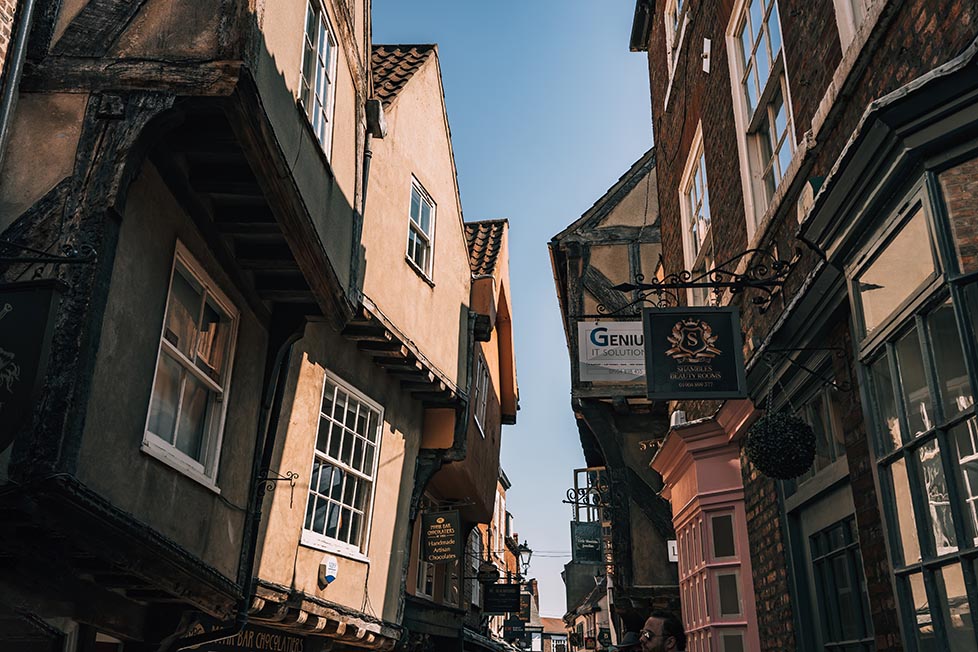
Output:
[[671, 626]]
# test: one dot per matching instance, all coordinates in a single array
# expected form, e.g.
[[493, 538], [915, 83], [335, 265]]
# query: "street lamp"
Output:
[[524, 553]]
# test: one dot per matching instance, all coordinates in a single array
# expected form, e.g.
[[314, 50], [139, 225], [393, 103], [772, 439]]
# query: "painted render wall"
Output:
[[44, 127], [110, 461], [327, 181], [417, 144], [282, 558]]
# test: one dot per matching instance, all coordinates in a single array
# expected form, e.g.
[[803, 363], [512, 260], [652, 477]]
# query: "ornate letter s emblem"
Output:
[[692, 341]]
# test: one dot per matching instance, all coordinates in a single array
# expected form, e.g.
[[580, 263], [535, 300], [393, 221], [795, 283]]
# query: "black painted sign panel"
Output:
[[694, 353], [587, 540], [440, 534], [27, 312], [513, 628], [501, 599]]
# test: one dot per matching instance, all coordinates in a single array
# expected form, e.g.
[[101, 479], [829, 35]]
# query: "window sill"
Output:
[[419, 271], [166, 456], [319, 542]]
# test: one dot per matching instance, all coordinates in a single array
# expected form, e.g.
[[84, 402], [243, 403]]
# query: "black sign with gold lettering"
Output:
[[693, 353], [525, 613], [501, 598], [26, 322], [440, 534]]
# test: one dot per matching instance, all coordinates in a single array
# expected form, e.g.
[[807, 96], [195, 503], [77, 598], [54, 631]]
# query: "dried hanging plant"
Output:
[[781, 445]]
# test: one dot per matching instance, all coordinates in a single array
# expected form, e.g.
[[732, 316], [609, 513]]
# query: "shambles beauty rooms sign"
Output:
[[611, 351], [439, 531], [693, 353]]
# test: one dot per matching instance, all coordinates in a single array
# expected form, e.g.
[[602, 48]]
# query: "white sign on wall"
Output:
[[611, 351], [673, 550]]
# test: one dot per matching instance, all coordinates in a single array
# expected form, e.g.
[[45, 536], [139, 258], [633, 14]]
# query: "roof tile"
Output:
[[485, 242], [394, 65]]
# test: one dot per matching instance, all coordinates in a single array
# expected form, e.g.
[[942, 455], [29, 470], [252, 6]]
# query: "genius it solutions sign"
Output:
[[694, 353], [611, 351]]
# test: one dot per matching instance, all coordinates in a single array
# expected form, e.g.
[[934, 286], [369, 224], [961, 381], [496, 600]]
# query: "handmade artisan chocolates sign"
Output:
[[693, 353], [440, 536]]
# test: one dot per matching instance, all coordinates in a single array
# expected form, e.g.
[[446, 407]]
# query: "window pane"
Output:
[[774, 30], [182, 311], [750, 89], [899, 269], [415, 205], [957, 612], [723, 536], [166, 395], [212, 342], [727, 591], [886, 410], [328, 394], [763, 64], [333, 521], [951, 372], [924, 622], [964, 439], [904, 512], [745, 46], [938, 501], [916, 392], [193, 417], [733, 643], [756, 18], [426, 218]]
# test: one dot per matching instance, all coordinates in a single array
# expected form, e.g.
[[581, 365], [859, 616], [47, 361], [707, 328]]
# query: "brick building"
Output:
[[840, 135]]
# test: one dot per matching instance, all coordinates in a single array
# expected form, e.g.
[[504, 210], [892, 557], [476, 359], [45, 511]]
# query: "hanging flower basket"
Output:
[[781, 445]]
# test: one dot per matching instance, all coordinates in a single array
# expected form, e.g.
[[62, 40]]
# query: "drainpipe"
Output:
[[15, 59], [271, 409]]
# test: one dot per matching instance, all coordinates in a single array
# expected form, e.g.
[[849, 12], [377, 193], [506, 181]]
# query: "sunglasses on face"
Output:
[[646, 635]]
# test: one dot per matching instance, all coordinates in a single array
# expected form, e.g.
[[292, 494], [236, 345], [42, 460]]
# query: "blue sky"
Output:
[[547, 108]]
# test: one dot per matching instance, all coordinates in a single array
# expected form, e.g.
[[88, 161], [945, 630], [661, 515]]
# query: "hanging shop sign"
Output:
[[488, 573], [694, 353], [611, 351], [604, 636], [513, 628], [27, 312], [587, 541], [440, 536], [501, 598], [589, 643]]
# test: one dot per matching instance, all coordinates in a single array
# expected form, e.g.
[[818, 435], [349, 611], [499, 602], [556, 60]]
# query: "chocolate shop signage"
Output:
[[693, 353], [440, 535]]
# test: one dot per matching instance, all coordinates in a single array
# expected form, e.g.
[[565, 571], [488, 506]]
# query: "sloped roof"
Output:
[[393, 65], [553, 625], [614, 195], [485, 242]]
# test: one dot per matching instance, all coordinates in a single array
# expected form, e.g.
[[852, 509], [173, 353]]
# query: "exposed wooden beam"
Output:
[[372, 333], [73, 75], [97, 27]]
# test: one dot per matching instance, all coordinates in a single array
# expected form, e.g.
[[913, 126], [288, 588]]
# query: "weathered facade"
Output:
[[246, 373], [839, 136], [616, 240]]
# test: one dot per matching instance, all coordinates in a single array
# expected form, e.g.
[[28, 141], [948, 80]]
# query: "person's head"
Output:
[[663, 633]]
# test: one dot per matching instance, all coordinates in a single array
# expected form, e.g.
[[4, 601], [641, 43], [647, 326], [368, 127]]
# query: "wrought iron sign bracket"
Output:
[[763, 272], [70, 255], [268, 479]]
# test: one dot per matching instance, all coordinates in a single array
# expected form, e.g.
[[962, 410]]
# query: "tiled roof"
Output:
[[394, 65], [485, 242], [553, 625]]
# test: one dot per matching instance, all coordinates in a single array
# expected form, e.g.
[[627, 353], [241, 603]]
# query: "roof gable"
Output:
[[393, 66], [485, 241]]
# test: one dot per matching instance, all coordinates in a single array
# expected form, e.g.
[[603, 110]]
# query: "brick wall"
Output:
[[960, 186], [912, 38], [7, 10], [775, 618]]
